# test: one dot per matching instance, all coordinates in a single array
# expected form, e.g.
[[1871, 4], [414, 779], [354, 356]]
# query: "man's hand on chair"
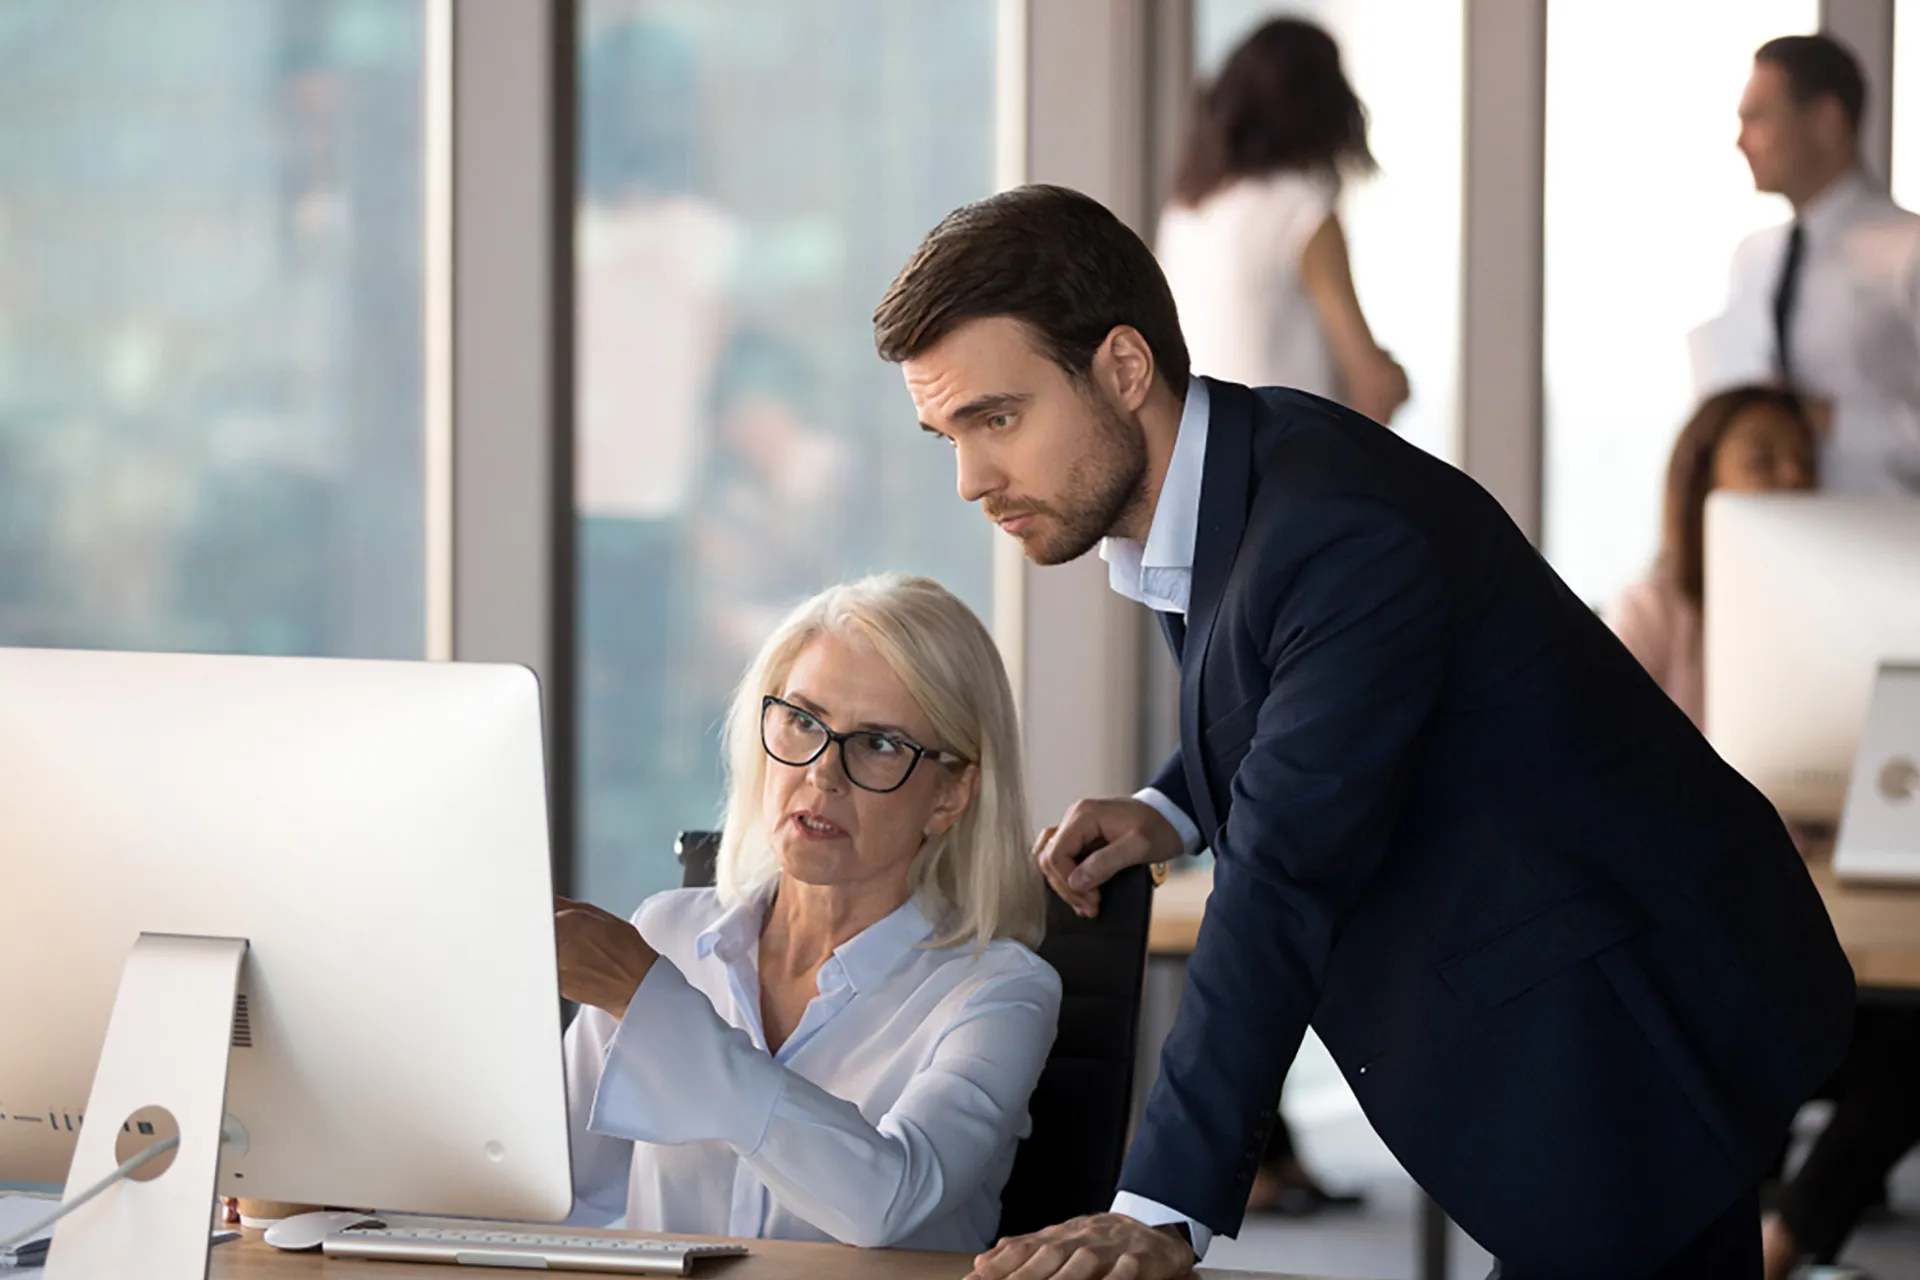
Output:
[[1096, 1247], [1098, 838]]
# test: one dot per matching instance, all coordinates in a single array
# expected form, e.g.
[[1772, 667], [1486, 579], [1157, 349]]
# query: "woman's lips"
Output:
[[812, 826]]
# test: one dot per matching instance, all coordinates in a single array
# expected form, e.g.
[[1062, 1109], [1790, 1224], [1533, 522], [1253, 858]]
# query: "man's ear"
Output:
[[1124, 364], [1830, 124]]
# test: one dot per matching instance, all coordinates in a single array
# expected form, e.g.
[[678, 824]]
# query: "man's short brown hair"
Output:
[[1055, 260], [1816, 66]]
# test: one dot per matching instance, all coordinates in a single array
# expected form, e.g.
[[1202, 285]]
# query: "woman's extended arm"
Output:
[[1375, 383], [675, 1071]]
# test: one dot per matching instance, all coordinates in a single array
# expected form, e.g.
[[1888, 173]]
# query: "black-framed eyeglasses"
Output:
[[872, 761]]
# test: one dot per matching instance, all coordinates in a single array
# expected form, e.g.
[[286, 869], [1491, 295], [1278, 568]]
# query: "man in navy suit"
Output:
[[1570, 962]]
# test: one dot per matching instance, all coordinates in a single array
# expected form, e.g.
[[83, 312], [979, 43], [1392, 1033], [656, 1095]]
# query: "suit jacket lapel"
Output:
[[1226, 480], [1174, 627]]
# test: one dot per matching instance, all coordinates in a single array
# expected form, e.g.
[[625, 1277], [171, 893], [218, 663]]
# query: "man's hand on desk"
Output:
[[602, 958], [1099, 1246], [1097, 839]]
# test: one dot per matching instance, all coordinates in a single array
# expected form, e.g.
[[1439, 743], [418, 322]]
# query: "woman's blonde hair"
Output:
[[975, 881]]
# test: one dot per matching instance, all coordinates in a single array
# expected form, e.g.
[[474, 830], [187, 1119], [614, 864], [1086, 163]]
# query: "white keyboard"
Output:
[[535, 1249]]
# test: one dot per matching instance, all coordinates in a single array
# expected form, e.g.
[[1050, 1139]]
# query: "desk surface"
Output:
[[250, 1259], [1879, 925]]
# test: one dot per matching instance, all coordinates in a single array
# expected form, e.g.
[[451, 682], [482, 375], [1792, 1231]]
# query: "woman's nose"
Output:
[[827, 772]]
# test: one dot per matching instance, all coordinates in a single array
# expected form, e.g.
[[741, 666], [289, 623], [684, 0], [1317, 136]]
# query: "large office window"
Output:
[[752, 174], [1646, 197], [1402, 224], [210, 325]]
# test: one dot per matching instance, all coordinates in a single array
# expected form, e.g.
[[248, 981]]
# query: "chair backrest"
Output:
[[699, 854], [1070, 1164]]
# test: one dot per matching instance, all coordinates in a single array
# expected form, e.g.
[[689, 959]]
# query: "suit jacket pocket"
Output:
[[1542, 945], [1229, 734], [1227, 739]]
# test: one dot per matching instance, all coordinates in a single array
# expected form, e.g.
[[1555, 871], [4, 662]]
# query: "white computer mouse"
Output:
[[307, 1230]]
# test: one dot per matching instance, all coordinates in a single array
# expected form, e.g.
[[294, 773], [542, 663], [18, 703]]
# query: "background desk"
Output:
[[1878, 925], [250, 1259]]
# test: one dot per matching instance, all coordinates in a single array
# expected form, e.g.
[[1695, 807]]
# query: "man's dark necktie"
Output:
[[1785, 294]]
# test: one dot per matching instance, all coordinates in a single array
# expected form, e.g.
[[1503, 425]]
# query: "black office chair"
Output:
[[698, 852], [1070, 1163]]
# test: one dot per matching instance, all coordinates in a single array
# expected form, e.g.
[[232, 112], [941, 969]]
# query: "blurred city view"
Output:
[[752, 174], [210, 325]]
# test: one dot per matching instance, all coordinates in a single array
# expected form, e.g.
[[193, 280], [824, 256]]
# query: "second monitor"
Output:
[[1805, 598]]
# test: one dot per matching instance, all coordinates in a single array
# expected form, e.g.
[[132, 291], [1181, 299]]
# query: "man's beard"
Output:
[[1104, 488]]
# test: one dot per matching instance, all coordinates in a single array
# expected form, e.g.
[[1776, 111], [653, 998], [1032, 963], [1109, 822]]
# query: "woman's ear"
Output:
[[957, 795]]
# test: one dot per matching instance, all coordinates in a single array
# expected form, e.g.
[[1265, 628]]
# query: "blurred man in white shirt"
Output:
[[1829, 302]]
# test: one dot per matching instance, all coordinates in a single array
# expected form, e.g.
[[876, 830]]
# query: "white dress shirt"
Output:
[[1233, 264], [1159, 575], [888, 1118], [1854, 336]]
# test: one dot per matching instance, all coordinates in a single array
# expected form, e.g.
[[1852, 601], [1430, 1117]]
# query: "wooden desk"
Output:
[[1178, 906], [1879, 925], [250, 1259]]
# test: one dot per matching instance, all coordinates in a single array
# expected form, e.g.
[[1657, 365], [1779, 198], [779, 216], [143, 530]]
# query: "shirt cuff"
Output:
[[1158, 802], [1152, 1213], [675, 1071]]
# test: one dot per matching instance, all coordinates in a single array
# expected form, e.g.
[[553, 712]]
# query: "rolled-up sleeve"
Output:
[[675, 1071]]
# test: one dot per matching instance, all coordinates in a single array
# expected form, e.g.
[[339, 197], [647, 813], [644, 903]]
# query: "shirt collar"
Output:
[[734, 934], [1828, 211], [877, 951], [866, 959], [1174, 533]]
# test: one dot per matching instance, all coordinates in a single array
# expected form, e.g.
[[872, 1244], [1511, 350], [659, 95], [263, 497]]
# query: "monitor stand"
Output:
[[1879, 835], [166, 1046]]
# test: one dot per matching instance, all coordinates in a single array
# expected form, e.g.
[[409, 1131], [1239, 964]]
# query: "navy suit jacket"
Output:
[[1570, 962]]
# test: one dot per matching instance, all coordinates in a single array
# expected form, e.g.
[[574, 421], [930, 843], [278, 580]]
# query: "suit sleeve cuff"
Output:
[[1158, 802], [1152, 1213]]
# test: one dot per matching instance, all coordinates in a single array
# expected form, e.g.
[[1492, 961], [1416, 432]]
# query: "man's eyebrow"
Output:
[[988, 405], [981, 407]]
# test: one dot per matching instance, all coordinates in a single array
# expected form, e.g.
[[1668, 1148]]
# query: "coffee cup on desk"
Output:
[[264, 1213]]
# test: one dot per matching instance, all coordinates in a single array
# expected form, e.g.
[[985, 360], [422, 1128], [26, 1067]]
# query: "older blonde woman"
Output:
[[837, 1042]]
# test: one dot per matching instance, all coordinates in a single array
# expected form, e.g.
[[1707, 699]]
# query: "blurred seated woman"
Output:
[[839, 1040], [1749, 440]]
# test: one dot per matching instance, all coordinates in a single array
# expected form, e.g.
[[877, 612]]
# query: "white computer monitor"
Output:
[[376, 833], [1806, 596]]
